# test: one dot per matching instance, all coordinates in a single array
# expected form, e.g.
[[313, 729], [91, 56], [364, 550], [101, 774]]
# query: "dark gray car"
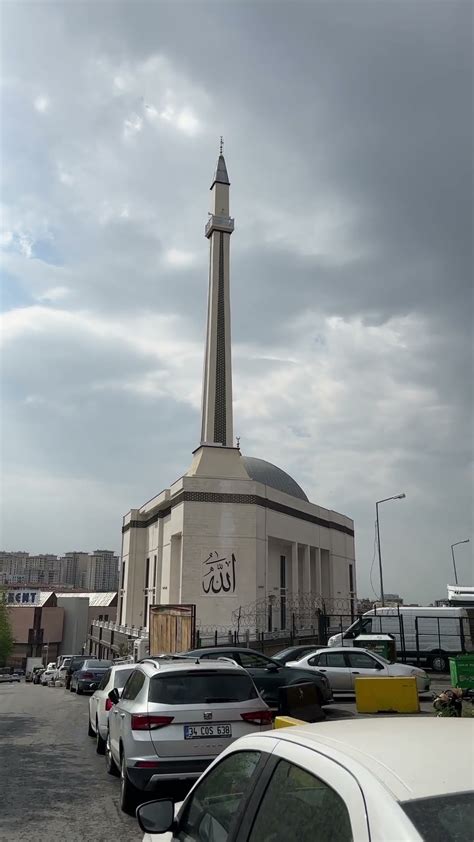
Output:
[[89, 674], [294, 653], [269, 675]]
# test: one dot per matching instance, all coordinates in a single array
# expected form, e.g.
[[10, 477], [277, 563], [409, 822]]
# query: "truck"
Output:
[[427, 635], [31, 663]]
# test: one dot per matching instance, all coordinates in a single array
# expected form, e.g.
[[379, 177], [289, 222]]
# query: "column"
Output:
[[306, 571], [294, 570], [319, 588]]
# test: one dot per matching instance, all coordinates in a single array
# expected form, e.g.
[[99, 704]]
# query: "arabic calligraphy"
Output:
[[218, 574]]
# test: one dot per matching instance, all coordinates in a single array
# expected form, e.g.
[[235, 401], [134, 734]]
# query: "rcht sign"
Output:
[[19, 597]]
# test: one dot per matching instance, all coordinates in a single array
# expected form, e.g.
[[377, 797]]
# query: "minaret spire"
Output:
[[217, 426]]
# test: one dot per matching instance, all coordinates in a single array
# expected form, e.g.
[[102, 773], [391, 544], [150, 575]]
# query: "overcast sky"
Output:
[[348, 140]]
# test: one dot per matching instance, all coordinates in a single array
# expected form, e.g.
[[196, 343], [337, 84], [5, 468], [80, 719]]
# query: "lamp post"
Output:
[[466, 541], [385, 500]]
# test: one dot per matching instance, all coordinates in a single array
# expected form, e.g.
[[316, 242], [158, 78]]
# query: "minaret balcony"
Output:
[[219, 223]]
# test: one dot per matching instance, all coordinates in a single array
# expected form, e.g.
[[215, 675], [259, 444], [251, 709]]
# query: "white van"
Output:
[[429, 634]]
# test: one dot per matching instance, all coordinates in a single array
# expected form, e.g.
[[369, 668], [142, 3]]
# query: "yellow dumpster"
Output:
[[386, 694], [286, 721]]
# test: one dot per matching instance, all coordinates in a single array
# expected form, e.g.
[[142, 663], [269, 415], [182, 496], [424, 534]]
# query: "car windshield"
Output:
[[443, 818], [97, 665], [201, 688], [121, 676], [384, 660]]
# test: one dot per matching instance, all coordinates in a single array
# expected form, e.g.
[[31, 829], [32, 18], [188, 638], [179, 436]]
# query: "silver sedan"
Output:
[[342, 665]]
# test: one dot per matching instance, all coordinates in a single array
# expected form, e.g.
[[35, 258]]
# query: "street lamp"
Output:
[[385, 500], [466, 541]]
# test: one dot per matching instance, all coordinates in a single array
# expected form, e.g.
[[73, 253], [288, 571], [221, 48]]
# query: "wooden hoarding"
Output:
[[172, 628]]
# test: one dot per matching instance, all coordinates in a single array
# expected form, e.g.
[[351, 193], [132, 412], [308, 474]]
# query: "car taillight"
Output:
[[257, 717], [147, 721], [87, 675], [108, 704]]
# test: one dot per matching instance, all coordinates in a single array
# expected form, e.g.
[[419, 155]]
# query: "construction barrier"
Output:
[[386, 695], [286, 721]]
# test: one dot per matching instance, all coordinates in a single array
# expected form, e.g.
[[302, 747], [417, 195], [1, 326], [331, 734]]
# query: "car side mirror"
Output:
[[272, 668], [156, 816], [114, 696]]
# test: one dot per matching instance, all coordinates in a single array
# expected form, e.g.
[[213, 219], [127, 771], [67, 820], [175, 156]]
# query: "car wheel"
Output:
[[110, 763], [99, 741], [128, 793], [90, 732], [439, 662]]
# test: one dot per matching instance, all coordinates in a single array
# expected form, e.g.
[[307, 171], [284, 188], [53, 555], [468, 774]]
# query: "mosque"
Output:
[[235, 533]]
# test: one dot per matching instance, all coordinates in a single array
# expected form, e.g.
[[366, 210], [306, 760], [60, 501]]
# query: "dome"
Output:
[[269, 474]]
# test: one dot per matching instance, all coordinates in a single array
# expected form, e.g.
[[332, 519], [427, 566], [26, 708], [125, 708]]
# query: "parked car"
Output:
[[293, 653], [174, 717], [100, 704], [37, 673], [75, 664], [89, 675], [62, 665], [9, 677], [269, 675], [60, 673], [344, 664], [355, 779], [46, 676]]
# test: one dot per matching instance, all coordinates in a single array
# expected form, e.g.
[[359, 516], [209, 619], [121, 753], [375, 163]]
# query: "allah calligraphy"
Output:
[[218, 574]]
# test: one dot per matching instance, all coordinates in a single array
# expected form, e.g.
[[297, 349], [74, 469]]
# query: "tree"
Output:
[[6, 636], [123, 649]]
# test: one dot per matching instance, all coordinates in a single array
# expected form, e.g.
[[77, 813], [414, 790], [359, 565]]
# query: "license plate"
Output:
[[201, 732]]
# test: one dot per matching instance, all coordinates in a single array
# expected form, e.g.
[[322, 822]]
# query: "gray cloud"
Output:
[[349, 142]]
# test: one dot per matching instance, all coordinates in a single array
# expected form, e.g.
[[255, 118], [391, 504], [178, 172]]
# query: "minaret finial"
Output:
[[221, 146]]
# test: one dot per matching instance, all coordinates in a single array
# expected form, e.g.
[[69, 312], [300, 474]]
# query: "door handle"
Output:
[[355, 672], [321, 669]]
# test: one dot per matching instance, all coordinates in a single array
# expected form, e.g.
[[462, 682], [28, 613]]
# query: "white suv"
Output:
[[174, 717]]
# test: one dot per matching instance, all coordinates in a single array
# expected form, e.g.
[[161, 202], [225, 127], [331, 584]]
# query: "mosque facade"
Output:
[[235, 535]]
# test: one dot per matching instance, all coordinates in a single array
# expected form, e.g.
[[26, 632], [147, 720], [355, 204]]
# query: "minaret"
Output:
[[217, 427]]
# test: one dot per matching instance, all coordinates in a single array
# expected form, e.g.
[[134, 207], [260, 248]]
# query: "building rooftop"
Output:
[[268, 474], [96, 600]]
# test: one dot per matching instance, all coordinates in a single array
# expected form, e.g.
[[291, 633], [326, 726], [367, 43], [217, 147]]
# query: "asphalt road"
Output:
[[53, 785]]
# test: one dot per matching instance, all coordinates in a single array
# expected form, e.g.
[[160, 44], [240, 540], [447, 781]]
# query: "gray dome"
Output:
[[269, 474]]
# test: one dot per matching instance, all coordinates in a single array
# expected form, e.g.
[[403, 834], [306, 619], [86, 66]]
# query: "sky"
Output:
[[348, 141]]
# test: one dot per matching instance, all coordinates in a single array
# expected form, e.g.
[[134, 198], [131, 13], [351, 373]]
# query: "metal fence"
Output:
[[418, 639]]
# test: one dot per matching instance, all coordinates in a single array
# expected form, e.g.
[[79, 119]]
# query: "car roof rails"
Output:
[[159, 660]]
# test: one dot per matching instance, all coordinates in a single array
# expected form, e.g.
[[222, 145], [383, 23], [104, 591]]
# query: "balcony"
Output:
[[130, 631], [219, 223]]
